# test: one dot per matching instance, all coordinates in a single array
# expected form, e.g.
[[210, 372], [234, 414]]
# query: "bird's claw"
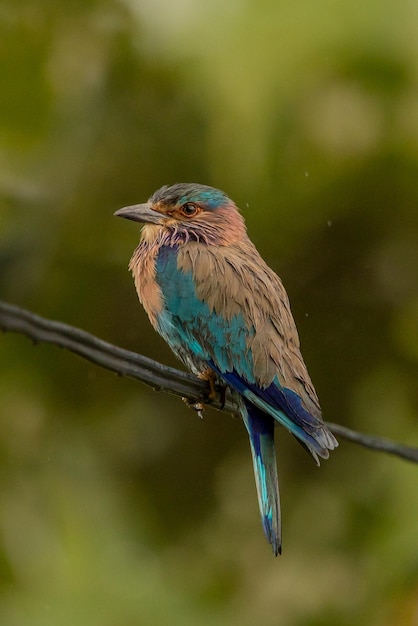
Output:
[[214, 389], [197, 406]]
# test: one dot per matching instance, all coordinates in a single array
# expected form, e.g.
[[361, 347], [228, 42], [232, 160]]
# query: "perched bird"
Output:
[[226, 315]]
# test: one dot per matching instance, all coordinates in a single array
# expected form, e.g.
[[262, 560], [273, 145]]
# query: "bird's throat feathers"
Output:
[[151, 233]]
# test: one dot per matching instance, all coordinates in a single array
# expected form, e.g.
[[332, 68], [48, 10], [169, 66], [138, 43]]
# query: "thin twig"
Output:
[[122, 362], [159, 377], [373, 442]]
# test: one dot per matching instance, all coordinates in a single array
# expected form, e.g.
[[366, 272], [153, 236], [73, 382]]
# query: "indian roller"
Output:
[[226, 315]]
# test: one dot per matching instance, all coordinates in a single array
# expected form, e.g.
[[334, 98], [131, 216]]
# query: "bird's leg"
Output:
[[210, 376]]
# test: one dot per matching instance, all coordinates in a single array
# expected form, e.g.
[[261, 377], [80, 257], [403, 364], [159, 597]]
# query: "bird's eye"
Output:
[[189, 209]]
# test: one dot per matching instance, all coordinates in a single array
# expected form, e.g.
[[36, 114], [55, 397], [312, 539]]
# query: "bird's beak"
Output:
[[141, 213]]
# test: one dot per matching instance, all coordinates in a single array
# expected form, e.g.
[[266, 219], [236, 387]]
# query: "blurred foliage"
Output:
[[117, 505]]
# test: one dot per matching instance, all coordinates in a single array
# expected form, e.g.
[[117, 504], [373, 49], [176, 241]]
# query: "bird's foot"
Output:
[[214, 389], [197, 406]]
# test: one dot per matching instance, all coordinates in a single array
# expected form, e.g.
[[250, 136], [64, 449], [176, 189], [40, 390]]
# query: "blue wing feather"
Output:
[[285, 407]]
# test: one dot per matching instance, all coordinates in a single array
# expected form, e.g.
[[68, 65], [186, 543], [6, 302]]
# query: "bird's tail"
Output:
[[260, 429]]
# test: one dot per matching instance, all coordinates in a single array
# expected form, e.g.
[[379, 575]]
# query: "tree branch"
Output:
[[159, 377]]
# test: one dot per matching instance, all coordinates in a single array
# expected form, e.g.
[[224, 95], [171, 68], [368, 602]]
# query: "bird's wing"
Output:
[[228, 309]]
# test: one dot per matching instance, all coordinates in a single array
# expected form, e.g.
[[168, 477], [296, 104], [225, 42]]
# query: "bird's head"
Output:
[[188, 212]]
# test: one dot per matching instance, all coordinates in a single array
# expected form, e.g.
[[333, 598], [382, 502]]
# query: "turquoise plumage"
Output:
[[226, 315]]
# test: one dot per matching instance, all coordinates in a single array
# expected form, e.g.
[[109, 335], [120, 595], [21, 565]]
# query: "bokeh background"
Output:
[[118, 506]]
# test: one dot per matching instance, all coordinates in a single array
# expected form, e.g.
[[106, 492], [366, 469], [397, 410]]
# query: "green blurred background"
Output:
[[118, 506]]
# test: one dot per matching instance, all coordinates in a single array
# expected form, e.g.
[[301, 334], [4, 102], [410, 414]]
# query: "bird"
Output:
[[226, 315]]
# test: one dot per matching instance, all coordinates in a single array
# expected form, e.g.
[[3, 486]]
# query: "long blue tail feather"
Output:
[[260, 429]]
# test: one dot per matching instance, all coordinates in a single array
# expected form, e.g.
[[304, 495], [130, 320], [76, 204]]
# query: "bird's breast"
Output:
[[143, 268]]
